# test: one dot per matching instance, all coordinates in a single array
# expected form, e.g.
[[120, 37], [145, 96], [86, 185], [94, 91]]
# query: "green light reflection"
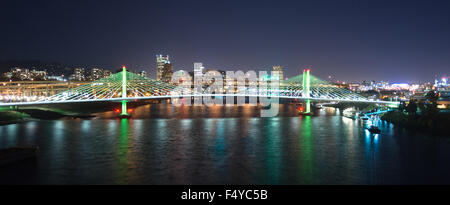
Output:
[[122, 154], [307, 154]]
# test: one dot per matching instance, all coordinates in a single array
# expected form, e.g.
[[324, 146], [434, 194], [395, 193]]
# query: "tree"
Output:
[[402, 106], [431, 99], [412, 107]]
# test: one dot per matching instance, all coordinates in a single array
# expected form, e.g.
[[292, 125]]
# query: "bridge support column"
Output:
[[124, 93], [306, 89], [124, 108]]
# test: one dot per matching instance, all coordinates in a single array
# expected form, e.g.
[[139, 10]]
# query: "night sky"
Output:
[[398, 41]]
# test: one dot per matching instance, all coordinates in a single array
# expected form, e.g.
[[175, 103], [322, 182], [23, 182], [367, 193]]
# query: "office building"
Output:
[[163, 69], [279, 70]]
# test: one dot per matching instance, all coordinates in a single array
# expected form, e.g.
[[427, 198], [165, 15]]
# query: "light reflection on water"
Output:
[[163, 144]]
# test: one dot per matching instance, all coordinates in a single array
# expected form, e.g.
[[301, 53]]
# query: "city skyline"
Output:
[[154, 71]]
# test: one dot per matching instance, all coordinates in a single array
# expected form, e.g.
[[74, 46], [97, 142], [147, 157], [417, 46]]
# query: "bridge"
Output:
[[126, 86]]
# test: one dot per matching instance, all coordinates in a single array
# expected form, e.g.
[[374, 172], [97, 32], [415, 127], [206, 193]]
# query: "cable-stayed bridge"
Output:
[[126, 86]]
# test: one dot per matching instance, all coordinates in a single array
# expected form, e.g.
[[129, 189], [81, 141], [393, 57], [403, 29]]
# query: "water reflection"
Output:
[[58, 138], [181, 146], [122, 167], [220, 149], [371, 155], [272, 150], [307, 155]]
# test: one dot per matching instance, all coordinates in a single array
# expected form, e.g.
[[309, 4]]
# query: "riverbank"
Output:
[[437, 124], [21, 115], [11, 117]]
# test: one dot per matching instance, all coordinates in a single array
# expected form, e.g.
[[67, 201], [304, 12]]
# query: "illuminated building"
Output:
[[38, 75], [56, 77], [279, 70], [25, 74], [79, 74], [143, 73], [106, 73], [441, 84], [198, 69], [222, 72], [444, 100], [96, 73], [163, 69]]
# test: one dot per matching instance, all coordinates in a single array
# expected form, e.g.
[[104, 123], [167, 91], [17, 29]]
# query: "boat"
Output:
[[350, 113], [15, 154], [374, 129], [364, 118]]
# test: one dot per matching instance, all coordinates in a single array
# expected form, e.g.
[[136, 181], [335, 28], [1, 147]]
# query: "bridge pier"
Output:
[[306, 90], [124, 108], [124, 113]]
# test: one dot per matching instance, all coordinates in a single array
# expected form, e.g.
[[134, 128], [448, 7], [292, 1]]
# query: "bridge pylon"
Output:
[[306, 84], [124, 112]]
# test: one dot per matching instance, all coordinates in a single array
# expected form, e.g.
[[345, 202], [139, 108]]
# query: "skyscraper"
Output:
[[278, 69], [163, 68], [198, 69]]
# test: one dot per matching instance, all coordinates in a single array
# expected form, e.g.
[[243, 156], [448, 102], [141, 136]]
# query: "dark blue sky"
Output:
[[351, 40]]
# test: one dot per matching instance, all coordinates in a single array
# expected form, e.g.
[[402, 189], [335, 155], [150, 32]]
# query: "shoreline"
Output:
[[435, 125]]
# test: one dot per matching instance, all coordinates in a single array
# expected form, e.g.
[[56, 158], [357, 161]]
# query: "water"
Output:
[[223, 145]]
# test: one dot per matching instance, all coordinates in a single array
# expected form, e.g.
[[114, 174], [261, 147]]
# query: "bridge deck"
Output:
[[189, 96]]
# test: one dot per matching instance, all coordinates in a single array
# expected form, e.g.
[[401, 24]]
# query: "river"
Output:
[[163, 144]]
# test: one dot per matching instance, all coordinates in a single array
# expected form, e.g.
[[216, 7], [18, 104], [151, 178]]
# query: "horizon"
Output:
[[152, 74]]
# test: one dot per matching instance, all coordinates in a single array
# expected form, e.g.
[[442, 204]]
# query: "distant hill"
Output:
[[53, 68]]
